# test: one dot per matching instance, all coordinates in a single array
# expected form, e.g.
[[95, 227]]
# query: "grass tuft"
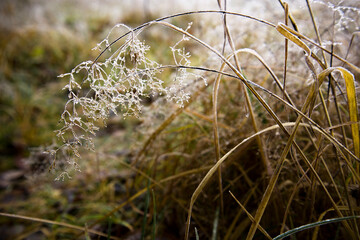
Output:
[[208, 124]]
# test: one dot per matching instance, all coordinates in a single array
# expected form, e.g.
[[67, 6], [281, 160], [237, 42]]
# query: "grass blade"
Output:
[[352, 103], [83, 229], [312, 225], [154, 216], [147, 202], [251, 217]]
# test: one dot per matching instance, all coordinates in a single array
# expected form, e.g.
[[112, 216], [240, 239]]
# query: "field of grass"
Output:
[[240, 122]]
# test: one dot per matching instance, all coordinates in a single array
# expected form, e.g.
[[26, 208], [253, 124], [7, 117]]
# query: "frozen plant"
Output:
[[119, 83]]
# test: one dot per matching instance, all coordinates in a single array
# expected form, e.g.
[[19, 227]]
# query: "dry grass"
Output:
[[270, 142]]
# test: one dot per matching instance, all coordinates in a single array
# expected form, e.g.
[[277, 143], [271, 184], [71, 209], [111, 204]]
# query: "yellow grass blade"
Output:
[[287, 32], [352, 102], [83, 229], [291, 35], [250, 216]]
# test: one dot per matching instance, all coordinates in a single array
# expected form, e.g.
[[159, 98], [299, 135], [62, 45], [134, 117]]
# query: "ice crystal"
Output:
[[345, 15]]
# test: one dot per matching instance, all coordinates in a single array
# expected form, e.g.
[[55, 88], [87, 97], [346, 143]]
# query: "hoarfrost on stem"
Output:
[[117, 84]]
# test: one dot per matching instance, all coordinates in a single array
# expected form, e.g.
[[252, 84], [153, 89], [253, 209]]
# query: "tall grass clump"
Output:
[[247, 128]]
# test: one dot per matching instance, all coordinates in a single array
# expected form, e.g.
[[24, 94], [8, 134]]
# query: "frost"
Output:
[[116, 85], [63, 176], [345, 15]]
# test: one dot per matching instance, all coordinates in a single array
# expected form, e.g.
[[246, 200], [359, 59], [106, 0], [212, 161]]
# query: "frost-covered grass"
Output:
[[221, 125]]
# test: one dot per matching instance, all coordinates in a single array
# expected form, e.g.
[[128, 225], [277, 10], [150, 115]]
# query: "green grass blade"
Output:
[[109, 227], [154, 216], [197, 234], [312, 225], [147, 202], [215, 224]]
